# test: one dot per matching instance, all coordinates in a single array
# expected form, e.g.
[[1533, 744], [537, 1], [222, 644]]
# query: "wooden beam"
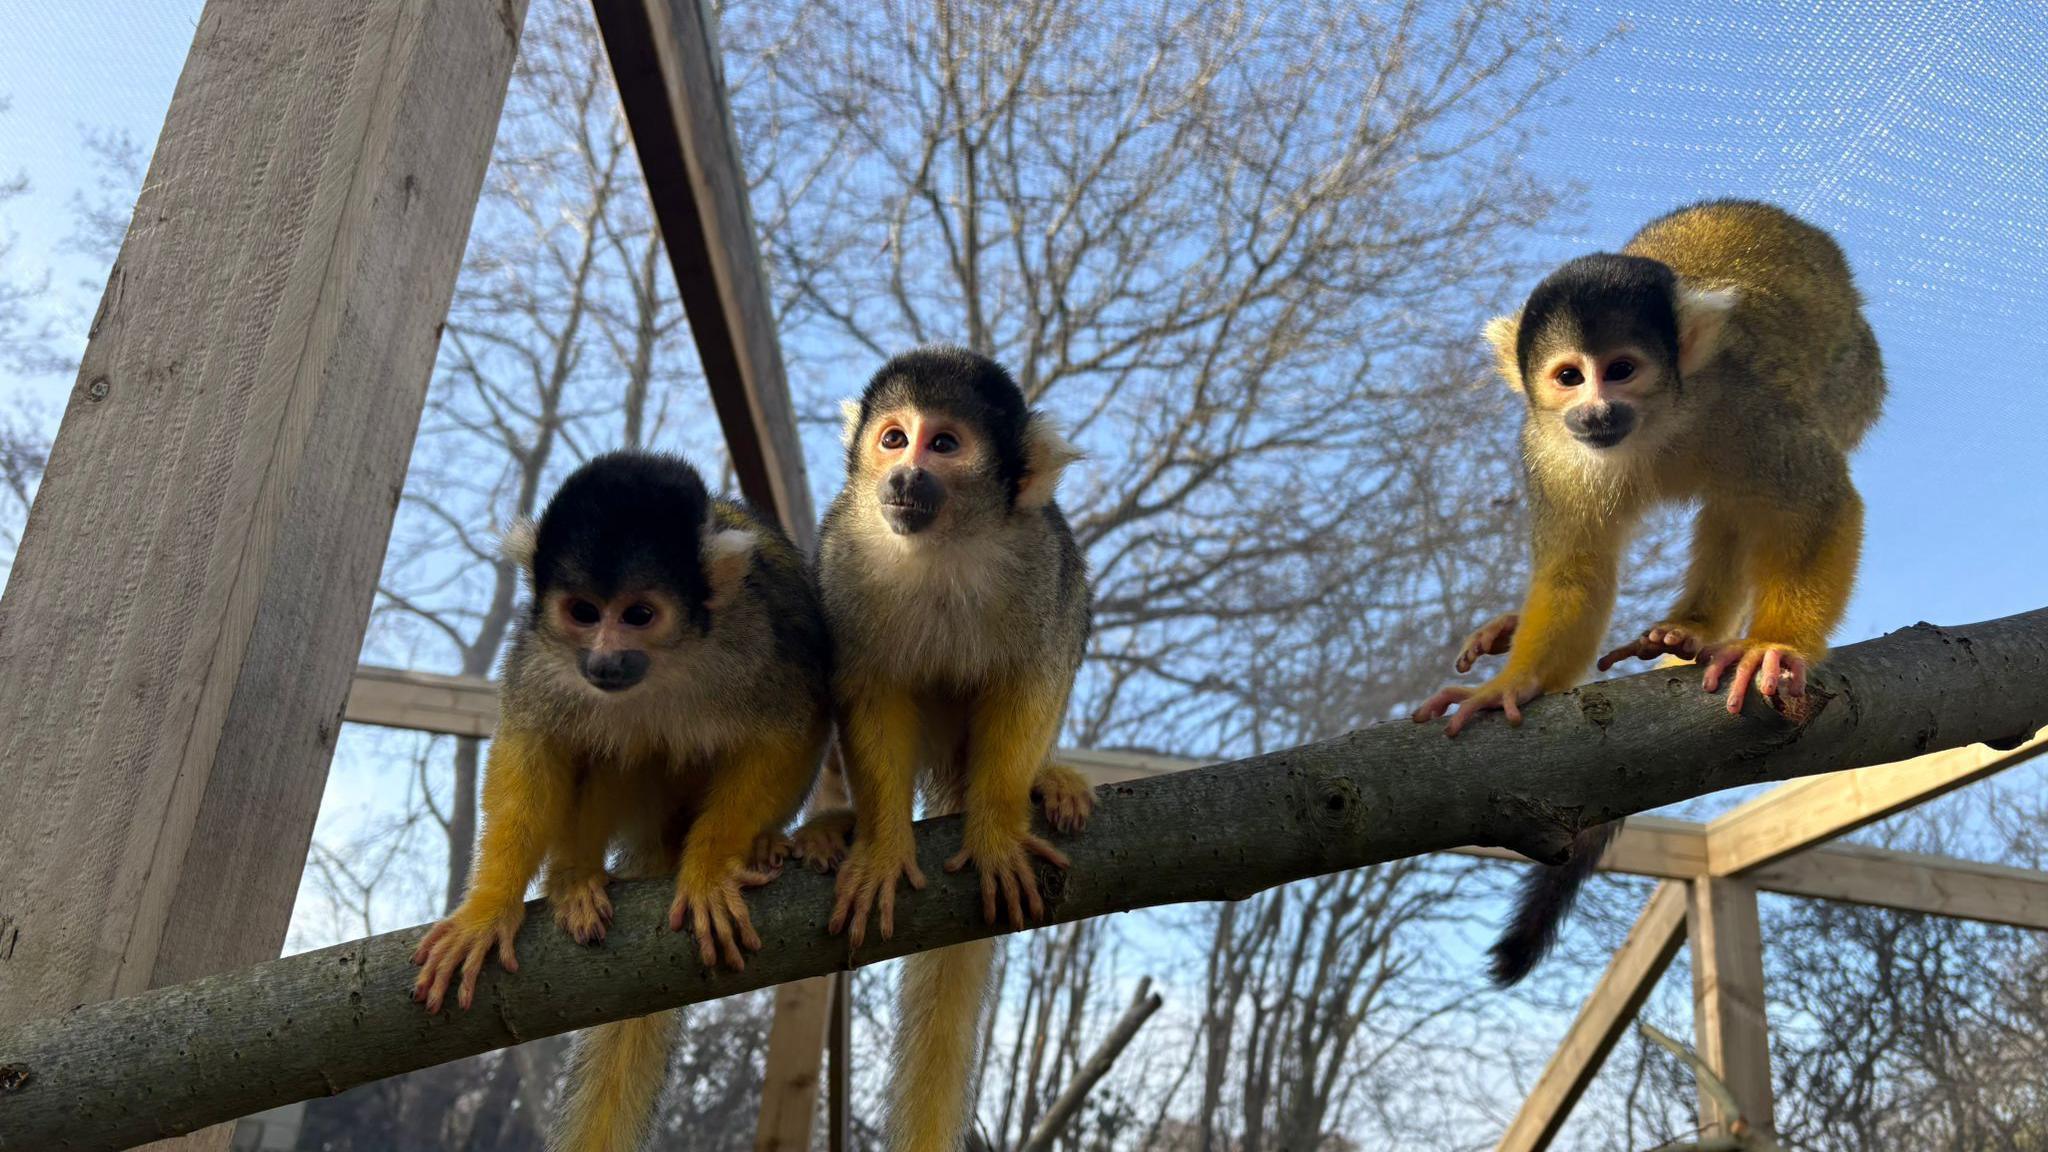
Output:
[[1607, 1013], [1803, 813], [1911, 882], [789, 1088], [1729, 1030], [839, 1047], [182, 620], [664, 55]]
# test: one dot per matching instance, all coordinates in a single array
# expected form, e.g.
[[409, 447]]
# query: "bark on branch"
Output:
[[176, 1059]]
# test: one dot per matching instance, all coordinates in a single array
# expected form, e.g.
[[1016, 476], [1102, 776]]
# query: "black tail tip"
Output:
[[1512, 958]]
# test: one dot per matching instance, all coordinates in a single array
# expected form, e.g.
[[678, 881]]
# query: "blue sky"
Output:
[[1917, 134]]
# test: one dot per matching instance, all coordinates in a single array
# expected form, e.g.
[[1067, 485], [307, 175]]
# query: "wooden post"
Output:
[[181, 625], [789, 1088], [1607, 1013], [1729, 1031]]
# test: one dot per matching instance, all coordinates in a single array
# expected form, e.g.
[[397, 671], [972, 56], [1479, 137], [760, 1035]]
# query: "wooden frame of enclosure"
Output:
[[222, 488]]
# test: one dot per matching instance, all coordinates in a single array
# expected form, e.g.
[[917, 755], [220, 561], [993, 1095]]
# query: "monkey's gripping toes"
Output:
[[464, 941], [1004, 861], [867, 882]]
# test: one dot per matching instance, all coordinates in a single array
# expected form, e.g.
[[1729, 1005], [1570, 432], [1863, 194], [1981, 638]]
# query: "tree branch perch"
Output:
[[172, 1060]]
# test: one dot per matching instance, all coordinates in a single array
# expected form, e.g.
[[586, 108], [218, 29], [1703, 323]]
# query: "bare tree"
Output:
[[1241, 248]]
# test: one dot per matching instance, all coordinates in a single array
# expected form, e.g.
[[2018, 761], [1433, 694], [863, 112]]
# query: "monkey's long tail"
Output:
[[938, 1022], [1543, 900], [616, 1074]]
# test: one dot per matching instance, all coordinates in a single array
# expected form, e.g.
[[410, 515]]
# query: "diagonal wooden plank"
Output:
[[664, 55], [1606, 1014], [1798, 815]]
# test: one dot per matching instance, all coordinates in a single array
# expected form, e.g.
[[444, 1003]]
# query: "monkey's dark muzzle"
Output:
[[1600, 425], [612, 671], [910, 499]]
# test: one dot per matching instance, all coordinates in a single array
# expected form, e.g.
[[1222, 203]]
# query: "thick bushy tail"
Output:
[[1542, 902], [938, 1022], [616, 1074]]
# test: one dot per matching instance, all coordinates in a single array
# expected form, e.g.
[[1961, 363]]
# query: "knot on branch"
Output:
[[14, 1077]]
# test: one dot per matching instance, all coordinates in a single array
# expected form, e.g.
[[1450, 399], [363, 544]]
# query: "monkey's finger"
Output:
[[472, 967], [1038, 847], [1440, 703], [737, 905], [842, 902], [1772, 667], [427, 942], [1012, 897], [506, 958], [912, 873], [1745, 673], [988, 896], [958, 861], [721, 927], [1512, 707], [1795, 676], [702, 923], [1028, 881], [750, 878], [888, 906]]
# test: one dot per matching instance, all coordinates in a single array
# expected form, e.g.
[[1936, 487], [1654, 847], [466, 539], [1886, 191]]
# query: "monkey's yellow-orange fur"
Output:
[[666, 698], [1775, 379]]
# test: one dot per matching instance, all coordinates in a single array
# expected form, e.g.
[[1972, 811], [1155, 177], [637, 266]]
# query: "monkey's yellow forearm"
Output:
[[878, 735], [1717, 578], [526, 804], [1571, 596], [578, 854], [1803, 579], [1014, 728], [756, 789]]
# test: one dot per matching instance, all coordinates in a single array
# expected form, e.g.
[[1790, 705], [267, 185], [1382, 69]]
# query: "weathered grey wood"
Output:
[[177, 1058], [664, 55], [182, 619]]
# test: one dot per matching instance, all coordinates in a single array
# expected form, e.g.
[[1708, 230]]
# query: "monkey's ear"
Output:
[[1046, 455], [517, 542], [1503, 332], [1702, 317], [727, 555], [849, 422]]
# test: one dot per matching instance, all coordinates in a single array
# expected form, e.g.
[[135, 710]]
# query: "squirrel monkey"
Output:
[[1722, 357], [959, 608], [668, 691]]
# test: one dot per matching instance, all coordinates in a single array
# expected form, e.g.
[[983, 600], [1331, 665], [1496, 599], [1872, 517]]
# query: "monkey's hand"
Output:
[[1504, 692], [464, 940], [582, 907], [1066, 797], [821, 841], [1493, 638], [868, 880], [1004, 861], [1776, 668], [1680, 638], [710, 901]]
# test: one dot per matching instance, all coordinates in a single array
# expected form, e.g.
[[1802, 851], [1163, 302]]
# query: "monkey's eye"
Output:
[[584, 612], [1621, 370], [945, 443], [1570, 377], [894, 439], [638, 616]]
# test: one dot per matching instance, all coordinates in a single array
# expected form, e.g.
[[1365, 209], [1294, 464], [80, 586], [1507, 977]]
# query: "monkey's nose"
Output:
[[1602, 425], [613, 671], [903, 480]]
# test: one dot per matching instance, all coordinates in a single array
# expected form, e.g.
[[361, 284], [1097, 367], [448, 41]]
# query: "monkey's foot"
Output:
[[1776, 669], [771, 850], [717, 913], [1498, 693], [868, 881], [1493, 638], [582, 907], [1004, 862], [464, 941], [821, 841], [1066, 797], [1680, 638]]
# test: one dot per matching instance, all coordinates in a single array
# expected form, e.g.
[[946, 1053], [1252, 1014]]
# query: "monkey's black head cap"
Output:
[[624, 519], [1602, 301], [947, 378]]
